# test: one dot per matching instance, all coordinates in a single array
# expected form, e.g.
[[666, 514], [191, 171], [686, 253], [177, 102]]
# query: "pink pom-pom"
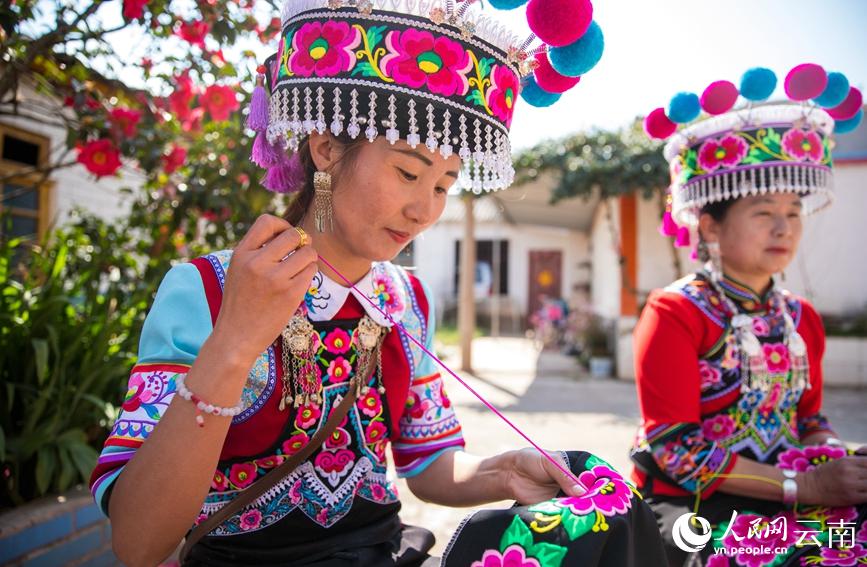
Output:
[[264, 153], [805, 81], [257, 118], [658, 125], [559, 22], [668, 226], [550, 80], [682, 239], [849, 107], [719, 97], [693, 254]]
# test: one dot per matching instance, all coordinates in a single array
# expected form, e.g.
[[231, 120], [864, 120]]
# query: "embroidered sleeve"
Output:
[[810, 418], [177, 325], [428, 426], [672, 444]]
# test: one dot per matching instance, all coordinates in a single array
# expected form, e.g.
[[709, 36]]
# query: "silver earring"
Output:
[[714, 262], [322, 203]]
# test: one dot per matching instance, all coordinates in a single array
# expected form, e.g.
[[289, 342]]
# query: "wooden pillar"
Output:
[[629, 255]]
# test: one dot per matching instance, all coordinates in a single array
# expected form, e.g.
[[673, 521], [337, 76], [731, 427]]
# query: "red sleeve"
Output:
[[810, 420], [668, 339]]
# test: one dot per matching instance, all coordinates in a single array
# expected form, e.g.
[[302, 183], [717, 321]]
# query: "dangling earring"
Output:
[[322, 212], [714, 262]]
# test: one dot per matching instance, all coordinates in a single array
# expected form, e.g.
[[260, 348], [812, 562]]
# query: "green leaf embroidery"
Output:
[[364, 69], [475, 97], [548, 508], [548, 554], [577, 526], [519, 533], [691, 161], [374, 36], [594, 461], [485, 64]]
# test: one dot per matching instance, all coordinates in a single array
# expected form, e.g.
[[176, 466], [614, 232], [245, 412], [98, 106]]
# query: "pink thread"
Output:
[[400, 327]]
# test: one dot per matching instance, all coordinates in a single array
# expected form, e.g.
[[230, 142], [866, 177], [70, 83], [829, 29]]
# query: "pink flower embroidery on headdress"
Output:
[[416, 58], [725, 152], [804, 145], [503, 94], [324, 49]]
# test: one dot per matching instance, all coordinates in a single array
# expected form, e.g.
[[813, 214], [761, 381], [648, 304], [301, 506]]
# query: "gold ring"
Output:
[[304, 238]]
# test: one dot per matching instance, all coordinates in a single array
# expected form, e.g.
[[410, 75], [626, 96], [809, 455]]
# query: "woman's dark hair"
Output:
[[717, 210], [304, 197]]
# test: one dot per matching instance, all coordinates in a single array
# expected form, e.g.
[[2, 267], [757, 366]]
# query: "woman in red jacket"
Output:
[[728, 364]]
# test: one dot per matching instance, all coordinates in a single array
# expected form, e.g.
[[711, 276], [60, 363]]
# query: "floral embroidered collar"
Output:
[[747, 299], [382, 284]]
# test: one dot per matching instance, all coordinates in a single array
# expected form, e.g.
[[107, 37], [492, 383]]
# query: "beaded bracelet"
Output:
[[202, 405]]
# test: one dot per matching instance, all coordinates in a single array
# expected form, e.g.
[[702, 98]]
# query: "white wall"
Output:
[[655, 259], [605, 257]]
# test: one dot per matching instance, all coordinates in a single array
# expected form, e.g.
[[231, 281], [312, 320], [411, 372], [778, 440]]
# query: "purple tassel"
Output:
[[264, 153], [668, 227], [682, 237], [694, 254], [284, 176], [257, 117]]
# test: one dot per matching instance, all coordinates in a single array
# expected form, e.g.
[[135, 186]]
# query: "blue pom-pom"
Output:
[[846, 126], [577, 58], [683, 107], [836, 91], [507, 4], [758, 84], [535, 95]]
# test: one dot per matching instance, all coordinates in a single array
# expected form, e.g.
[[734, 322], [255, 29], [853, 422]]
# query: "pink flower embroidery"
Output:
[[251, 520], [717, 561], [294, 444], [803, 145], [295, 492], [776, 357], [718, 427], [761, 327], [414, 406], [513, 556], [307, 416], [759, 533], [378, 492], [324, 49], [862, 533], [607, 492], [444, 398], [242, 475], [337, 341], [219, 482], [339, 369], [386, 294], [338, 440], [728, 151], [847, 557], [709, 375], [334, 465], [269, 462], [375, 431], [416, 58], [809, 457], [142, 389], [503, 93], [322, 516], [371, 404], [200, 519]]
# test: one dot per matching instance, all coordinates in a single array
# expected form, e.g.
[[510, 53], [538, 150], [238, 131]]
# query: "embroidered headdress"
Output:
[[761, 147], [436, 73]]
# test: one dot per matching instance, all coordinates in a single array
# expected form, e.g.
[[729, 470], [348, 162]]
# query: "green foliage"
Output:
[[612, 163]]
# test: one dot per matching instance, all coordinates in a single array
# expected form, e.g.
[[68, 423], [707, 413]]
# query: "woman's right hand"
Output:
[[841, 482], [262, 290]]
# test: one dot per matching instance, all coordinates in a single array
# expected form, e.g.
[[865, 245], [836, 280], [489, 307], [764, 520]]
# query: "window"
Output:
[[23, 193], [485, 267]]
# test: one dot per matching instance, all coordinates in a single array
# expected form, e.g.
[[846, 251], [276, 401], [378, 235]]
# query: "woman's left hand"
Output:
[[532, 478]]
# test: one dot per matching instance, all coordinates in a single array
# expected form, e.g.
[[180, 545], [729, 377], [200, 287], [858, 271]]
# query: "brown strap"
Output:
[[268, 481]]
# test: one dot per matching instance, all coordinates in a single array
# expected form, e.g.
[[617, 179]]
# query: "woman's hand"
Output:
[[531, 478], [841, 482], [264, 287]]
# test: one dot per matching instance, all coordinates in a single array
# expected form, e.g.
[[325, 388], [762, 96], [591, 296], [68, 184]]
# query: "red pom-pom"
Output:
[[550, 80], [719, 97], [658, 125], [559, 22], [805, 81], [849, 107]]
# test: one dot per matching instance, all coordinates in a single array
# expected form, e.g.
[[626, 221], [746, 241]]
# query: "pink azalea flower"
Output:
[[339, 370], [762, 532], [844, 557], [718, 427], [99, 157], [709, 375], [513, 556], [307, 416], [133, 9], [194, 32], [503, 93], [174, 159], [809, 457], [416, 58], [337, 341], [219, 482], [324, 49], [371, 404], [776, 357], [220, 101], [607, 492], [182, 96], [294, 444], [728, 151], [125, 120], [761, 327], [242, 475], [375, 431], [251, 520], [803, 145]]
